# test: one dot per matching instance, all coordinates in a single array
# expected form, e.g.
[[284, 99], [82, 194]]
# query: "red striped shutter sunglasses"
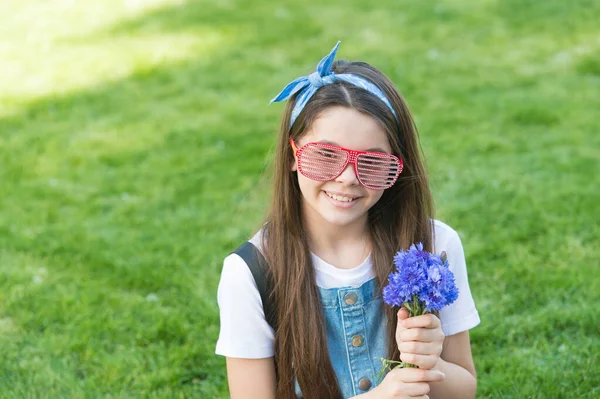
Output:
[[323, 162]]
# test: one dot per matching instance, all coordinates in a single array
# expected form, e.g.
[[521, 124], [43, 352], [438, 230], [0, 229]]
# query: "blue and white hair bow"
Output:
[[323, 76]]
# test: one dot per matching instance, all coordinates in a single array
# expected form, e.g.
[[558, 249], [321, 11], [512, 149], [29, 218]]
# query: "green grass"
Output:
[[134, 137]]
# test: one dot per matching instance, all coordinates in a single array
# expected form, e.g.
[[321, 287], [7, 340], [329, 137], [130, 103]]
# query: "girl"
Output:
[[350, 190]]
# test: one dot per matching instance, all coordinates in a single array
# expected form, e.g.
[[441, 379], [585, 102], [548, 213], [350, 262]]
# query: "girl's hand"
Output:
[[419, 339], [404, 383]]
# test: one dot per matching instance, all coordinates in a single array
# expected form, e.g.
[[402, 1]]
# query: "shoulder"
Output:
[[257, 240], [444, 235], [462, 314], [233, 264], [235, 276], [446, 239], [244, 331], [236, 273]]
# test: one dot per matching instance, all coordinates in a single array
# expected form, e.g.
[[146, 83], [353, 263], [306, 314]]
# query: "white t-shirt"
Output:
[[246, 334]]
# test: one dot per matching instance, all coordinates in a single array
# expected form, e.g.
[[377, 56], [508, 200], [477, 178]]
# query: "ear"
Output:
[[294, 166]]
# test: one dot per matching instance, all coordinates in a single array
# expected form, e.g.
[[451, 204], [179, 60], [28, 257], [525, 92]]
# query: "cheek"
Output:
[[308, 186], [303, 182], [376, 195]]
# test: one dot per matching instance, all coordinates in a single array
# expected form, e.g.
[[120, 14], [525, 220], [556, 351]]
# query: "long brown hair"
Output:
[[402, 216]]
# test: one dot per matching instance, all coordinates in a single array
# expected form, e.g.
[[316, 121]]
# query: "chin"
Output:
[[339, 220]]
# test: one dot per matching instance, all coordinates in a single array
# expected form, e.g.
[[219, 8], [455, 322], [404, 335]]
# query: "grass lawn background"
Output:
[[134, 140]]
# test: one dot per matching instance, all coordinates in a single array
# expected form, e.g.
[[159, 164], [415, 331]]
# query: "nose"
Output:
[[348, 176]]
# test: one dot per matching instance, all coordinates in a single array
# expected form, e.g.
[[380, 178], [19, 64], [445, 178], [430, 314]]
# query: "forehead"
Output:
[[348, 128]]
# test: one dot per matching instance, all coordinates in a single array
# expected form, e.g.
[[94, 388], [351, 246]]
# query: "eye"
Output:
[[368, 161], [376, 164], [327, 153]]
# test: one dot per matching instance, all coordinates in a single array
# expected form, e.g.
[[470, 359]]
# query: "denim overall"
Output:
[[356, 336]]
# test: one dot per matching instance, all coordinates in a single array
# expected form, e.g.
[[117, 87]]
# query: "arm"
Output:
[[456, 362], [245, 338], [456, 359], [251, 378]]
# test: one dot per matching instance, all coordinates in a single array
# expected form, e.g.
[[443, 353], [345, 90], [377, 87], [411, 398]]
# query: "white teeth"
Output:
[[339, 198]]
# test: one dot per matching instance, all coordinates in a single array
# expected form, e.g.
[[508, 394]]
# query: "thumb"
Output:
[[402, 314]]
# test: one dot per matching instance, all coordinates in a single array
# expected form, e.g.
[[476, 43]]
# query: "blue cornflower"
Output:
[[423, 281]]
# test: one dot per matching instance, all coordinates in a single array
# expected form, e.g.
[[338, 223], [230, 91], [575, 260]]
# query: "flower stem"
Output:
[[387, 366]]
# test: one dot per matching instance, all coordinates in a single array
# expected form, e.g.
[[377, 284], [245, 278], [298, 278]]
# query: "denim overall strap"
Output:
[[356, 335]]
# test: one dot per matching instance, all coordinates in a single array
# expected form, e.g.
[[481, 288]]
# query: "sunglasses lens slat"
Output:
[[378, 171], [321, 162]]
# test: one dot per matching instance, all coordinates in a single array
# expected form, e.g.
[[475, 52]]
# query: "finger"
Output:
[[423, 321], [421, 348], [420, 334], [417, 388], [425, 362], [416, 375]]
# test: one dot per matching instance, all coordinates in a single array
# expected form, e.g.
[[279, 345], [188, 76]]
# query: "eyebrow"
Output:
[[376, 149]]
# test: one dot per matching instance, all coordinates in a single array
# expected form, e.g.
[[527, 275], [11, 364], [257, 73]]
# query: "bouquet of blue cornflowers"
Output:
[[423, 283]]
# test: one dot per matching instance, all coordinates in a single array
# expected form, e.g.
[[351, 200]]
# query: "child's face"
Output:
[[328, 201]]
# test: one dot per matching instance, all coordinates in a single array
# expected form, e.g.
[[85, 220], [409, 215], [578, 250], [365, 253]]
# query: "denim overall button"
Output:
[[357, 340], [364, 384], [350, 298]]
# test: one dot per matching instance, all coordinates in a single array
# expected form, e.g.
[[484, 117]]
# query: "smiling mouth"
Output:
[[341, 198]]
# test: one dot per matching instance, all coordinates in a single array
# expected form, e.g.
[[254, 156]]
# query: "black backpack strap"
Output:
[[257, 265]]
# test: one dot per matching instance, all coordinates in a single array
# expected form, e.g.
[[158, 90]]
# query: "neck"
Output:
[[333, 242]]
